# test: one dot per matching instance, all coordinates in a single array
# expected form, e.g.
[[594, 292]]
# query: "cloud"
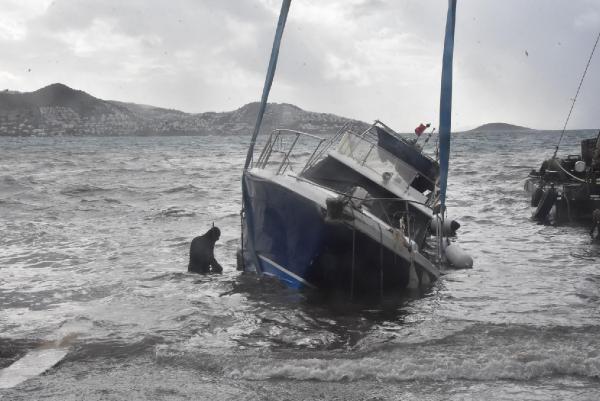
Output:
[[16, 14], [365, 59]]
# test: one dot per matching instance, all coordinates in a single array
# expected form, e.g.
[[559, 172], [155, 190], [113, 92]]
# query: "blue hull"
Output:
[[286, 235]]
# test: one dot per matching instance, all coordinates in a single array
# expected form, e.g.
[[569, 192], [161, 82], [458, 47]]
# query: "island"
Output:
[[500, 127]]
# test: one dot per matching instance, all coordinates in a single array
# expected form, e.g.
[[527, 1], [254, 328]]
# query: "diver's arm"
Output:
[[215, 266]]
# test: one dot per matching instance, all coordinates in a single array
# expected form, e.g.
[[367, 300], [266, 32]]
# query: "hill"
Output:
[[500, 127], [59, 110]]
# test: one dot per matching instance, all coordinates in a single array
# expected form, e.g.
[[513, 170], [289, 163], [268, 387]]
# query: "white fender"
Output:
[[529, 186], [457, 257]]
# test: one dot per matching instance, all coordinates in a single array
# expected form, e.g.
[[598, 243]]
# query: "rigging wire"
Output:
[[575, 98]]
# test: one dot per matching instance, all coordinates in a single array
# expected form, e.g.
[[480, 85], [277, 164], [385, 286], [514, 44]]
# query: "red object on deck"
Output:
[[420, 129]]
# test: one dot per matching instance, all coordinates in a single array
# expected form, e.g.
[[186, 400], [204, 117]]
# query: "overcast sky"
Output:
[[516, 61]]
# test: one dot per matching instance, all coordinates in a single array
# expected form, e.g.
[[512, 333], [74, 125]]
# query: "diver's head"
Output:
[[214, 233]]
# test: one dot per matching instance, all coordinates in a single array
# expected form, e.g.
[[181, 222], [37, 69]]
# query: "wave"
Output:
[[113, 349], [9, 180], [480, 352], [174, 212], [77, 190], [182, 188], [440, 368]]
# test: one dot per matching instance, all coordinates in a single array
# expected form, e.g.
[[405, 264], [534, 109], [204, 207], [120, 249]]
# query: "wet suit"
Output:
[[202, 257]]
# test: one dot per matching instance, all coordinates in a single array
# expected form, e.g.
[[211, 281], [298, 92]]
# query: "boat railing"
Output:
[[284, 142], [362, 147], [371, 133], [330, 143]]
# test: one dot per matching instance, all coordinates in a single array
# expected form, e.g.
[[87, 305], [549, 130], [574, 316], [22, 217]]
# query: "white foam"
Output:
[[436, 367]]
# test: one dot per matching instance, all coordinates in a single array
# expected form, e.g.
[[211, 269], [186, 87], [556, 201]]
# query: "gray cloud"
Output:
[[359, 58]]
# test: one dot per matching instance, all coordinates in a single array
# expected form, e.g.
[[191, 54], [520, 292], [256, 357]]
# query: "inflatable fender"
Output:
[[545, 204], [529, 186], [457, 257], [536, 196]]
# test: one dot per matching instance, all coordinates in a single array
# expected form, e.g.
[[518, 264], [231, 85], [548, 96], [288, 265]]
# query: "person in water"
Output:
[[202, 253]]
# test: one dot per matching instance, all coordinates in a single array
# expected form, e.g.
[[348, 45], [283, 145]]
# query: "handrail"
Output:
[[274, 137], [287, 155], [324, 145], [330, 142]]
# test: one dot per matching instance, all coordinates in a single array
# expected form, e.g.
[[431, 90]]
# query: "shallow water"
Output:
[[95, 235]]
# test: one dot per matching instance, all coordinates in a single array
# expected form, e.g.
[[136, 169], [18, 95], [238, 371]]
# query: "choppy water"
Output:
[[93, 247]]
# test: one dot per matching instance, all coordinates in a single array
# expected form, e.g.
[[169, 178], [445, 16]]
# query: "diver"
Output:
[[202, 256]]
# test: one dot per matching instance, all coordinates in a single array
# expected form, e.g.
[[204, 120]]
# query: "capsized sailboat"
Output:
[[353, 214]]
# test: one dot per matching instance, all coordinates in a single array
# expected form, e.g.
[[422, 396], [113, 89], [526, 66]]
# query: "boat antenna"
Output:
[[285, 7], [446, 102], [575, 98]]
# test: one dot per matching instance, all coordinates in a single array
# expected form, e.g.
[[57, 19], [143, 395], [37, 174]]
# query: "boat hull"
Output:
[[288, 235]]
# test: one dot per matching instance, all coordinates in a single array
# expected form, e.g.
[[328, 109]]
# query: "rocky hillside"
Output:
[[59, 110]]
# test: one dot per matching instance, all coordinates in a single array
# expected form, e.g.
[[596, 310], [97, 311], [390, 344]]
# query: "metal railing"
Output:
[[276, 144], [362, 147]]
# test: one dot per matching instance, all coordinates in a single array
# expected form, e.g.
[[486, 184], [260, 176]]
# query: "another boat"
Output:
[[567, 189], [349, 214]]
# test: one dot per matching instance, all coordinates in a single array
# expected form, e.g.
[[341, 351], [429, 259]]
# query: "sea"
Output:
[[94, 242]]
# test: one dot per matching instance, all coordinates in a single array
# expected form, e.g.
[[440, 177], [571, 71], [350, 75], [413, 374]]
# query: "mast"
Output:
[[446, 102], [247, 216], [285, 7]]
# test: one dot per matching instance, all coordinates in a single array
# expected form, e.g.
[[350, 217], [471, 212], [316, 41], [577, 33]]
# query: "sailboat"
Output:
[[349, 214]]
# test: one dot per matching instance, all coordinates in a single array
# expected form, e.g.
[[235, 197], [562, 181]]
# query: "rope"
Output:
[[575, 98], [568, 207], [569, 174], [380, 262], [353, 257], [427, 139]]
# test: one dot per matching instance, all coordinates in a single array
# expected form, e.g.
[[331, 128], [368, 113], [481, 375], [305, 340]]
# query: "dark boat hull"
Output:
[[288, 236]]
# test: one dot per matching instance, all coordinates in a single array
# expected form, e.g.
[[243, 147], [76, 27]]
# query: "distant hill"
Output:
[[59, 110], [500, 127]]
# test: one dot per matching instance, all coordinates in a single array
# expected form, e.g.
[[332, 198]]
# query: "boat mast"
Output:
[[446, 102], [285, 6]]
